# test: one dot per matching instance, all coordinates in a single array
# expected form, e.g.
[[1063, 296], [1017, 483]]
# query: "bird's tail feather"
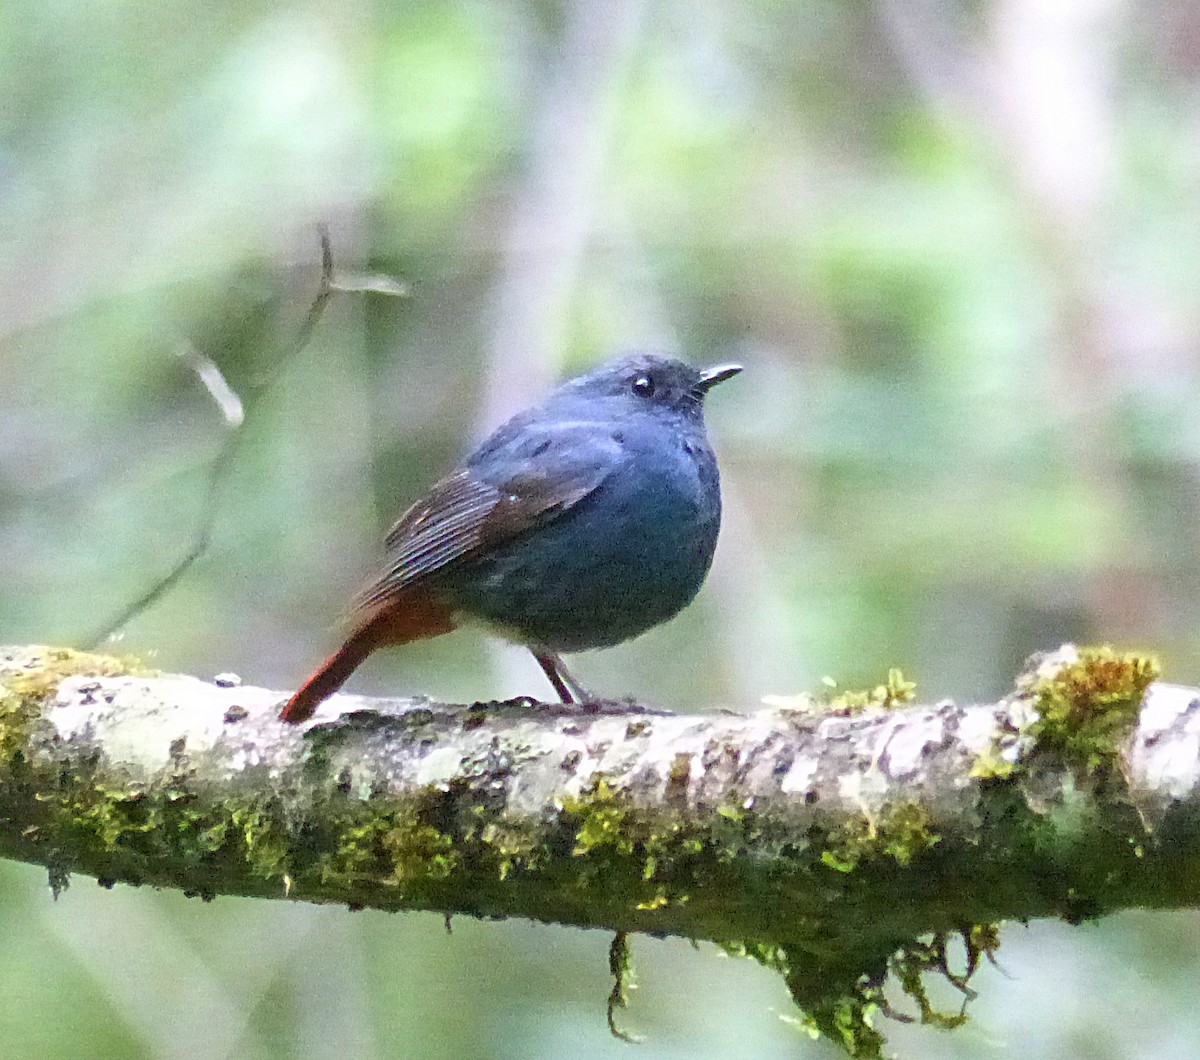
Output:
[[332, 674], [413, 615]]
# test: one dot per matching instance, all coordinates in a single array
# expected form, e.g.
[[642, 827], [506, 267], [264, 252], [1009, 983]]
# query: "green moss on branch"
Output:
[[840, 899], [1088, 706]]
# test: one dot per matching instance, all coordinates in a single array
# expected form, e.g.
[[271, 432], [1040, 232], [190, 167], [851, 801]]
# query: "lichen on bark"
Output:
[[844, 845]]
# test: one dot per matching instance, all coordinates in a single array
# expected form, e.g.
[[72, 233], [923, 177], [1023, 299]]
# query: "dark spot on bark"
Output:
[[570, 760], [499, 762], [811, 796]]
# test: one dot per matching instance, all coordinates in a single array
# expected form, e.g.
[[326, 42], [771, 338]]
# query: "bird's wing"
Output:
[[500, 493]]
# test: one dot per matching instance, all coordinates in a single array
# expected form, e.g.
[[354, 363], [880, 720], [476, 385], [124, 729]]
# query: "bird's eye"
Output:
[[643, 385]]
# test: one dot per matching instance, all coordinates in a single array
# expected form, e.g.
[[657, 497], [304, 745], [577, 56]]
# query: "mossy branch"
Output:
[[840, 843]]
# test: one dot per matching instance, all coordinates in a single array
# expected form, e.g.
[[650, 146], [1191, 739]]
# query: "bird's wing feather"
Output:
[[497, 495]]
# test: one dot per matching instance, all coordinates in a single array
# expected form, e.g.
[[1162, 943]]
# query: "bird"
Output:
[[579, 523]]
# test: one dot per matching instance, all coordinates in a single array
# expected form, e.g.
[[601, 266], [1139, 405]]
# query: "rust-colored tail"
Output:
[[411, 616], [334, 673]]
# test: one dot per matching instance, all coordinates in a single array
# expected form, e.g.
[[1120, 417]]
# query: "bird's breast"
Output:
[[630, 555]]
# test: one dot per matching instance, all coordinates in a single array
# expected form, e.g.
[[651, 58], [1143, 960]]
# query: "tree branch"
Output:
[[825, 840]]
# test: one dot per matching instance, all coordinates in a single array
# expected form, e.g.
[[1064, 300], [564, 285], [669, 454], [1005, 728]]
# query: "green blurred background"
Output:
[[955, 245]]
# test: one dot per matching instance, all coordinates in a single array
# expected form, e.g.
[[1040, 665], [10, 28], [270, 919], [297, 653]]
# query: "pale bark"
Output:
[[838, 836]]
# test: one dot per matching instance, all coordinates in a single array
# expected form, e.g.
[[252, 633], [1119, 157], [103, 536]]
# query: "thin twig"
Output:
[[223, 462]]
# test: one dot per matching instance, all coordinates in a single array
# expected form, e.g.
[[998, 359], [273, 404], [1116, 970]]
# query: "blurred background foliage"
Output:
[[953, 241]]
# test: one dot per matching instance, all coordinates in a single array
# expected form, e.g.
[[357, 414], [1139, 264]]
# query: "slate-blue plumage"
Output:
[[580, 523]]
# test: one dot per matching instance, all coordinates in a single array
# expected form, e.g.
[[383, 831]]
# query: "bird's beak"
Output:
[[710, 377]]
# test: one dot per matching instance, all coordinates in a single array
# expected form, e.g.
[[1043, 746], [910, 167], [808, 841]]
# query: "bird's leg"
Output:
[[569, 690]]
